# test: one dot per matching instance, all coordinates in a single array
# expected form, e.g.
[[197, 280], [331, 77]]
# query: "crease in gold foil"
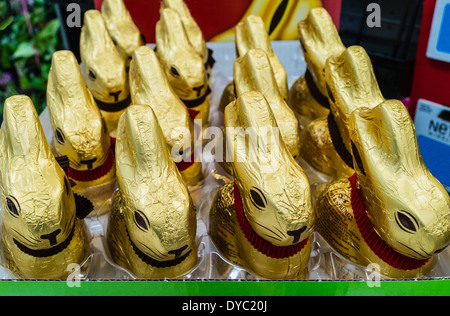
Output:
[[39, 213], [121, 27], [153, 223], [103, 67], [275, 193], [319, 40]]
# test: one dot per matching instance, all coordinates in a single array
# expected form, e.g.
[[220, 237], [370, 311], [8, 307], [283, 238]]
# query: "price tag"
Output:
[[432, 122]]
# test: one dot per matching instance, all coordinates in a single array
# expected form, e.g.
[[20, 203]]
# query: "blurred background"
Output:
[[31, 30]]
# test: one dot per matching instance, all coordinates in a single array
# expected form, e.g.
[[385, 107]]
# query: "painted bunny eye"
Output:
[[92, 75], [257, 198], [59, 136], [13, 206], [174, 71], [406, 221], [141, 220]]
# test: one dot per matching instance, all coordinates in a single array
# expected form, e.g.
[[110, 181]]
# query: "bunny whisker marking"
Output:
[[269, 230], [154, 252]]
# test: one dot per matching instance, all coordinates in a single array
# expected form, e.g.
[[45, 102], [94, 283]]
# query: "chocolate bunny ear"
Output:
[[319, 40], [24, 136], [141, 150], [384, 138], [121, 27], [253, 137], [150, 86], [254, 72], [251, 33], [350, 84], [193, 31], [170, 33]]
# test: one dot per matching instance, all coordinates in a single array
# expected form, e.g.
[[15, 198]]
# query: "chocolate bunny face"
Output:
[[276, 193], [38, 203], [183, 65], [159, 213], [124, 33], [407, 205], [250, 34], [104, 67], [79, 131]]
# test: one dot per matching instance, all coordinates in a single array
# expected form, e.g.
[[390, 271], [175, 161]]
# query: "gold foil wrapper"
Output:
[[153, 224], [149, 85], [183, 65], [124, 33], [351, 84], [276, 197], [79, 130], [408, 208], [104, 69], [319, 40], [41, 235]]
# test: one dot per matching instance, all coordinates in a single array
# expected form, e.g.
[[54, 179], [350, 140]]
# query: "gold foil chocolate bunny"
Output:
[[42, 233], [124, 33], [262, 220], [251, 34], [392, 212], [149, 85], [351, 84], [183, 65], [79, 130], [319, 40], [153, 224], [104, 69]]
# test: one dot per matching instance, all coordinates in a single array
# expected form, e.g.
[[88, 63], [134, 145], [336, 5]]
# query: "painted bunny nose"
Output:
[[178, 252], [198, 89], [51, 237], [296, 233], [115, 95], [89, 163]]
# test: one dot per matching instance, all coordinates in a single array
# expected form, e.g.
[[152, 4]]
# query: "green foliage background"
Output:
[[19, 71]]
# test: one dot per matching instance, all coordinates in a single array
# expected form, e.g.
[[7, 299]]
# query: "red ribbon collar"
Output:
[[263, 246], [375, 243], [94, 174]]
